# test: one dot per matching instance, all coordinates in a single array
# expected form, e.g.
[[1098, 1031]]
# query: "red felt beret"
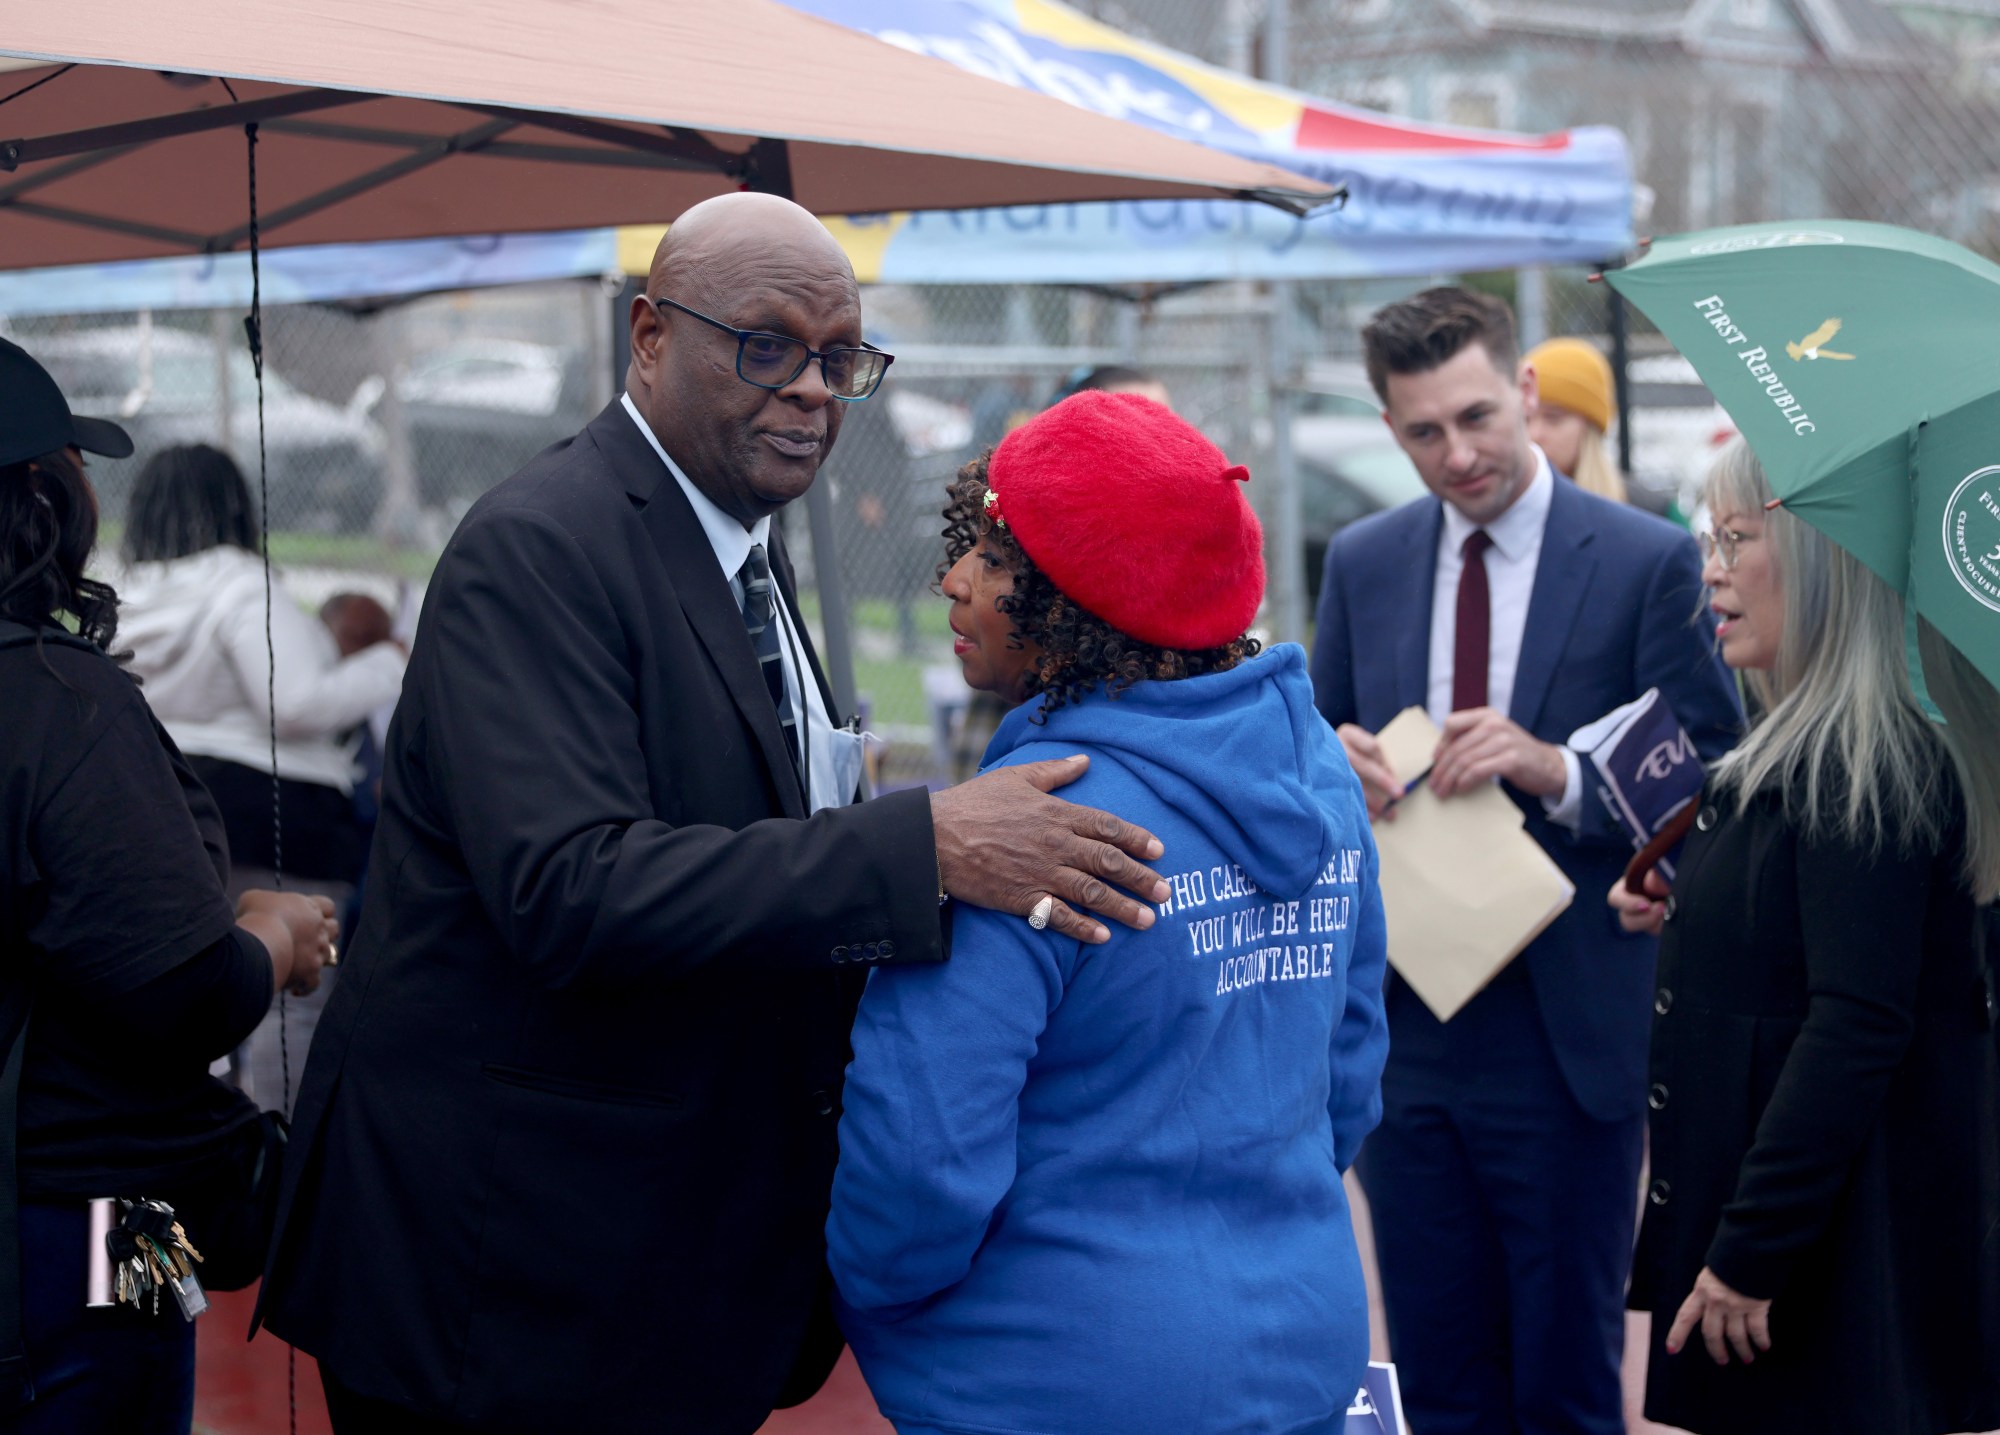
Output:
[[1133, 513]]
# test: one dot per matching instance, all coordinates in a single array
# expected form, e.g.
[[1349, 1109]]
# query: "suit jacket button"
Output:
[[874, 950], [1659, 1193], [822, 1103], [888, 949], [1663, 1001], [1656, 1097], [840, 954], [1704, 819]]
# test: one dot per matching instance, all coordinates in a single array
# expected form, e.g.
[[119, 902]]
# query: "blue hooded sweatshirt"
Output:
[[1089, 1190]]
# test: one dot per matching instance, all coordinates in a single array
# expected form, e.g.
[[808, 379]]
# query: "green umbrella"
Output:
[[1862, 363]]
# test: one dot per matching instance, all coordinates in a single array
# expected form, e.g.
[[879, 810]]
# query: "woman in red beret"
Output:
[[1098, 1188]]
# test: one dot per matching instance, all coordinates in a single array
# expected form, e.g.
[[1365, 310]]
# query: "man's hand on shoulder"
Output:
[[1480, 744], [1004, 843]]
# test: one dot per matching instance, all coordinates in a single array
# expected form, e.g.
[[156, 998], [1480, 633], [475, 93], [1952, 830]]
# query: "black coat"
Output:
[[1826, 1134], [563, 1148]]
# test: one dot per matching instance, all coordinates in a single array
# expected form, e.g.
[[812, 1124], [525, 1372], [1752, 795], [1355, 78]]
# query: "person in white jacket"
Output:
[[193, 611]]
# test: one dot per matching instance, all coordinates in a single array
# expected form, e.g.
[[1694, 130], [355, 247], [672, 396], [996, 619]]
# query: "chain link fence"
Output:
[[971, 363], [383, 427], [378, 428], [1735, 112]]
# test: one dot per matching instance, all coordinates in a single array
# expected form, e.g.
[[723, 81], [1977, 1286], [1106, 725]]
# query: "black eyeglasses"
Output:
[[771, 361]]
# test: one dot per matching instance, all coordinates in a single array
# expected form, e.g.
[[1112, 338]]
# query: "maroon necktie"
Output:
[[1471, 648]]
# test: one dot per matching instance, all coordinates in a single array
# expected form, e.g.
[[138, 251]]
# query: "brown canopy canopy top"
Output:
[[121, 123]]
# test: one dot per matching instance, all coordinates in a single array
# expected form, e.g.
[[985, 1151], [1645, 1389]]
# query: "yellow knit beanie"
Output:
[[1573, 375]]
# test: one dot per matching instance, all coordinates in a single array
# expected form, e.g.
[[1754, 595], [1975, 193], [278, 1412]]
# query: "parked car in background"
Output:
[[1349, 463], [172, 386], [479, 408]]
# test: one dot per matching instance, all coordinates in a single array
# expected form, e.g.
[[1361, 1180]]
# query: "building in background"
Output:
[[1736, 110]]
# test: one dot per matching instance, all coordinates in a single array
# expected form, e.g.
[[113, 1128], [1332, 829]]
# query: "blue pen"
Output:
[[1409, 787]]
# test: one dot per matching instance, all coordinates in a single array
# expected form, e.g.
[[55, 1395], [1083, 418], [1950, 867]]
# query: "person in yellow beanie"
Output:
[[1577, 401]]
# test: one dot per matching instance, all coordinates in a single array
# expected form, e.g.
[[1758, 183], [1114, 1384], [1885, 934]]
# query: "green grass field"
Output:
[[357, 551], [893, 685]]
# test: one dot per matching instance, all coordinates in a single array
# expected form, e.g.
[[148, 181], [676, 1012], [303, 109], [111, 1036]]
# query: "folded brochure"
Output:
[[1464, 887], [1646, 766]]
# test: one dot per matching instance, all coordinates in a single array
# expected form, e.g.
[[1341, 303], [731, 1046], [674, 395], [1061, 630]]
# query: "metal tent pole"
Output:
[[1621, 363], [1531, 305], [770, 170], [838, 653], [1288, 544]]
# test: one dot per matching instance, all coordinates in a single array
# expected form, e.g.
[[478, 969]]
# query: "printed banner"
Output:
[[1422, 198], [1377, 1408], [313, 273]]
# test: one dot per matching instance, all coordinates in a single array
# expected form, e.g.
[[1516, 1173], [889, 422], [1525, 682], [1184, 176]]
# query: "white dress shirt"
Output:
[[1510, 582], [731, 542]]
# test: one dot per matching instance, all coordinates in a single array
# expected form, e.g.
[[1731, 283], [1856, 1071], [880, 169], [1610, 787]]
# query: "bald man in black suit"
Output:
[[564, 1144]]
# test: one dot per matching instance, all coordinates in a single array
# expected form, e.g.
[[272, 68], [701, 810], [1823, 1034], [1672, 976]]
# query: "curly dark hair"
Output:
[[1080, 651], [48, 526]]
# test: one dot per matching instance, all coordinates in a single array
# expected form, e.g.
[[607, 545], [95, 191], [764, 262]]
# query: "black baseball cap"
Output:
[[35, 417]]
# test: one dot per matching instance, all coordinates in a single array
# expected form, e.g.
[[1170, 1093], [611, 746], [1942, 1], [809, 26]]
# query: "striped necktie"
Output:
[[755, 576]]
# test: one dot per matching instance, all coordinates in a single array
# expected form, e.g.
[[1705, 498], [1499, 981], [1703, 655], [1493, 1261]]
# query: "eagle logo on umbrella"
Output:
[[1809, 346]]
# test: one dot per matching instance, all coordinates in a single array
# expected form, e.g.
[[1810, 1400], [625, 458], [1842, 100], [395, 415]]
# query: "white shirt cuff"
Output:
[[1567, 810]]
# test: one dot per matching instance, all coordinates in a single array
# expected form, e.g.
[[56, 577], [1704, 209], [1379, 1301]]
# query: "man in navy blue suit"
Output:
[[1516, 608]]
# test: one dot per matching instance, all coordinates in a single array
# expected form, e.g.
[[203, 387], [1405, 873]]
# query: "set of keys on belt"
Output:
[[144, 1250]]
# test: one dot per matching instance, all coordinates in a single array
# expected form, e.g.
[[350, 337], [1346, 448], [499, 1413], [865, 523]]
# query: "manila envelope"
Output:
[[1464, 887]]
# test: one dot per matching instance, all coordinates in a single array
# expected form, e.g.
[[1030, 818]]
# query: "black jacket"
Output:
[[563, 1147], [1826, 1134]]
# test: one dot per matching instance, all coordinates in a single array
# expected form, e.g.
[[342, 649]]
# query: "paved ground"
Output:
[[240, 1389]]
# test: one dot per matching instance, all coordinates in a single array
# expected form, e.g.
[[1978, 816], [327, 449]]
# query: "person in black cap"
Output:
[[35, 418], [123, 970]]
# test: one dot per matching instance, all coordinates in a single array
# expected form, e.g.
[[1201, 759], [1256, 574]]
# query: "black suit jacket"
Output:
[[563, 1147], [1826, 1132]]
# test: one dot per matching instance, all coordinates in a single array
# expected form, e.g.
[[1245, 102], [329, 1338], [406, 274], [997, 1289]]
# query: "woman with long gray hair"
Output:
[[1821, 1243]]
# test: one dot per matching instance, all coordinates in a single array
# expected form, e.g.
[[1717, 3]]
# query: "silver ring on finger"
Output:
[[1039, 917]]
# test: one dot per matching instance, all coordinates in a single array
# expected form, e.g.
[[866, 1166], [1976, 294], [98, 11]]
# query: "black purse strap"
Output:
[[13, 1347]]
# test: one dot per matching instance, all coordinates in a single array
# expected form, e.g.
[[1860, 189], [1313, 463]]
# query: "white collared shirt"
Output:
[[1510, 582], [732, 542]]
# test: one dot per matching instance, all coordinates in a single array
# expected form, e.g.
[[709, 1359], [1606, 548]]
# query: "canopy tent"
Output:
[[312, 273], [386, 119], [1423, 199], [382, 119]]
